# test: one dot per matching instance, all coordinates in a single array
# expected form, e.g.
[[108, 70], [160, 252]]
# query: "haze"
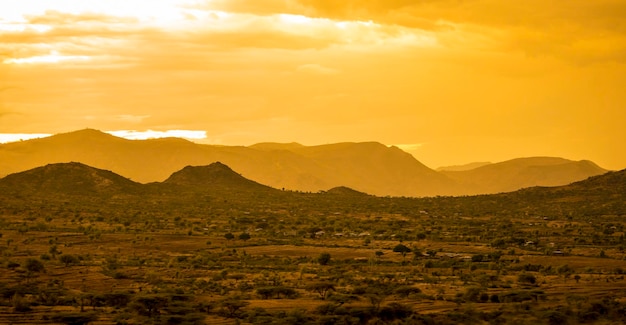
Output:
[[449, 81]]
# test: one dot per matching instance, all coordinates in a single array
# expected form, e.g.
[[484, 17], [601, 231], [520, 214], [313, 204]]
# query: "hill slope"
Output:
[[216, 177], [519, 173], [67, 178]]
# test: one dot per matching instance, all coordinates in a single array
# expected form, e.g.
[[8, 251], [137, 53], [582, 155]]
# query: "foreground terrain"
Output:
[[81, 245]]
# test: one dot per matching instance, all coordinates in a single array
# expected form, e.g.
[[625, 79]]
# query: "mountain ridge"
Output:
[[525, 172], [70, 182], [368, 167]]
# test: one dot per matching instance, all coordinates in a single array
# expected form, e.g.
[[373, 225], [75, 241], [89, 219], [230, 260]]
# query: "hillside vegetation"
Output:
[[208, 246]]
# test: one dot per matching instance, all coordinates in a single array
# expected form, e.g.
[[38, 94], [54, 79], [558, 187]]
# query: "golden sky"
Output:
[[451, 81]]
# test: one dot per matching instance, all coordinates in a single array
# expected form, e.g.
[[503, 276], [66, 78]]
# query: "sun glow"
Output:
[[53, 57]]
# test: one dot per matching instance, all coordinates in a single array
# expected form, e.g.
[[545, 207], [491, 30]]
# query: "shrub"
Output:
[[324, 259]]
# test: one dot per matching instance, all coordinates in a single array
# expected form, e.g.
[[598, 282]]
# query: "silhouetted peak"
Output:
[[345, 191], [216, 175], [87, 133], [85, 136], [68, 178]]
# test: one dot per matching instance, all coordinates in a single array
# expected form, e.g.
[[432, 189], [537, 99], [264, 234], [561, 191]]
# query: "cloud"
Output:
[[577, 31], [53, 57], [14, 137], [56, 18], [251, 70]]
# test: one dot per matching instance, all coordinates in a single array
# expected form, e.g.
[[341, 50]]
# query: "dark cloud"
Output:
[[578, 30]]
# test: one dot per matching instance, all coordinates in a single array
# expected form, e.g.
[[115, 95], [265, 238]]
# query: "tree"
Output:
[[68, 259], [229, 236], [322, 288], [526, 278], [33, 266], [478, 258], [405, 291], [244, 236], [54, 251], [324, 259], [149, 305], [417, 253], [232, 305], [402, 250]]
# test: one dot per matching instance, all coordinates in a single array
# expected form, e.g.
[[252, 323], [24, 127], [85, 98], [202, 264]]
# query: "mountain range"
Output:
[[368, 167], [218, 184]]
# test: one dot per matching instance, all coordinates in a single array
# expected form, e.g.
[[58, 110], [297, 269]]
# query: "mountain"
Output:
[[373, 168], [217, 184], [519, 173], [368, 167], [344, 191], [460, 168], [215, 176], [596, 195], [67, 178]]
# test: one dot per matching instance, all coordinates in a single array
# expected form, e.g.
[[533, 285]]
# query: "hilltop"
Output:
[[67, 179], [214, 176]]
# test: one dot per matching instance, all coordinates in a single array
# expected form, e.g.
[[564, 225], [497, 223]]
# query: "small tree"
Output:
[[229, 236], [34, 266], [244, 236], [324, 259], [400, 248], [54, 251], [526, 278], [149, 305], [232, 305], [478, 258], [322, 288], [68, 259], [74, 318]]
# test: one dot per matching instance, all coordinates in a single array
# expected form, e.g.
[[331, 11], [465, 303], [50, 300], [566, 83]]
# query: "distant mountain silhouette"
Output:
[[68, 178], [460, 168], [519, 173], [276, 146], [368, 167]]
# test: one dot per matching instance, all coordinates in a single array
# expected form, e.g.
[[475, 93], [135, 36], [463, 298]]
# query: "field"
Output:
[[299, 261]]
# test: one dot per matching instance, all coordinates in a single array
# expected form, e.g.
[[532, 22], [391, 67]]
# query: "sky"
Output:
[[449, 81]]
